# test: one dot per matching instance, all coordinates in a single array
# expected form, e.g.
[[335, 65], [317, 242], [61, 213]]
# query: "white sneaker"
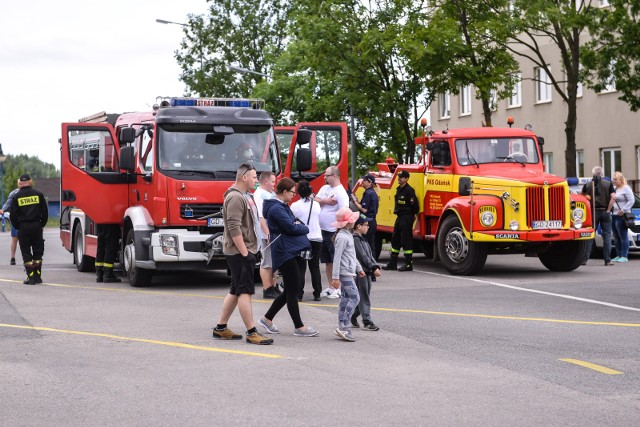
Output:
[[326, 292], [335, 294]]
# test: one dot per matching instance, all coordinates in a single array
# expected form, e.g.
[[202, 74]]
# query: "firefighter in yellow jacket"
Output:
[[29, 215]]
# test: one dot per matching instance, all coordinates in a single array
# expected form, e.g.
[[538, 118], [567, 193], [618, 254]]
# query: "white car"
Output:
[[575, 186]]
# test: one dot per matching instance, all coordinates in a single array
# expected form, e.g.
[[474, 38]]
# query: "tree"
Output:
[[14, 166], [563, 24], [460, 43], [613, 54], [244, 33]]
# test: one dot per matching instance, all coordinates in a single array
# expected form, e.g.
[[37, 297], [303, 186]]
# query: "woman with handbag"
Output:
[[289, 243], [621, 215]]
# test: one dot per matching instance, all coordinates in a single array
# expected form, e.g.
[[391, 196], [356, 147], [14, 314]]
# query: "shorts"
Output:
[[266, 255], [241, 275], [328, 249], [14, 232]]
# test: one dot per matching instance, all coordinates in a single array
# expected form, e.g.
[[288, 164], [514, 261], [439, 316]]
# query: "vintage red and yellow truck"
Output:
[[161, 176], [485, 191]]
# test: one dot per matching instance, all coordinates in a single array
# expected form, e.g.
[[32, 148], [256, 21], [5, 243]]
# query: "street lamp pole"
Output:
[[2, 160], [244, 70], [164, 21]]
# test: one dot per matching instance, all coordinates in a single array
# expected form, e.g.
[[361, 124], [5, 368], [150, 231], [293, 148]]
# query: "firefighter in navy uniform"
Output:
[[406, 208], [106, 253], [29, 215]]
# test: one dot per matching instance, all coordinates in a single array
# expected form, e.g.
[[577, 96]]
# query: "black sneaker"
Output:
[[12, 262], [316, 298], [370, 327], [354, 323], [406, 268], [270, 293]]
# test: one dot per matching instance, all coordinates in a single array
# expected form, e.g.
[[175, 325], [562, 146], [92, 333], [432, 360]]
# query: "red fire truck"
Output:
[[161, 175], [484, 191]]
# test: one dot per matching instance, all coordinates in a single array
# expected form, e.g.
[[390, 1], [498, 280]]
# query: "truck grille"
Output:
[[537, 208], [194, 211]]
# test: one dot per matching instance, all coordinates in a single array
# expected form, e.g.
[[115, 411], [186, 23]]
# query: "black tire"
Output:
[[459, 256], [564, 256], [426, 246], [138, 277], [84, 263]]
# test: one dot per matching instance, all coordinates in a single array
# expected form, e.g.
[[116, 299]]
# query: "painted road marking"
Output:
[[391, 310], [518, 288], [147, 341], [593, 366]]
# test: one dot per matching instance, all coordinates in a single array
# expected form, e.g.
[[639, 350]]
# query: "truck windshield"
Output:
[[197, 150], [496, 150]]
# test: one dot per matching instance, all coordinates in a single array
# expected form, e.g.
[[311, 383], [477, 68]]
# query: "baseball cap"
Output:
[[362, 218], [370, 178], [403, 174], [345, 216], [25, 177]]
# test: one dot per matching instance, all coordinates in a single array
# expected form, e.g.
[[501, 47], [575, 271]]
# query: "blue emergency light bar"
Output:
[[216, 102]]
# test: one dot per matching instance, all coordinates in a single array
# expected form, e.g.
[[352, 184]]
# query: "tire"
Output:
[[564, 256], [459, 256], [84, 263], [427, 247], [138, 277]]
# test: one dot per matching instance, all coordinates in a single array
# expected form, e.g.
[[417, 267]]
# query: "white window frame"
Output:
[[515, 100], [610, 86], [465, 100], [547, 159], [604, 3], [543, 85], [493, 99], [444, 105], [580, 162], [611, 160]]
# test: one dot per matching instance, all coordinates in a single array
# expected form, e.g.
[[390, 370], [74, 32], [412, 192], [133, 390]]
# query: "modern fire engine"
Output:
[[485, 191], [161, 175]]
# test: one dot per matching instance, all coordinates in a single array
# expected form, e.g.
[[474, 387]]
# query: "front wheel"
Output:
[[564, 256], [138, 277], [459, 255]]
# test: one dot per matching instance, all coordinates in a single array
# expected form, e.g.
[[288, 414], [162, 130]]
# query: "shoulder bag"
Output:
[[629, 219]]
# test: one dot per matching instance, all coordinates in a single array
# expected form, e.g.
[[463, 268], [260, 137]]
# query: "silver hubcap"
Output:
[[79, 248], [129, 257], [456, 245]]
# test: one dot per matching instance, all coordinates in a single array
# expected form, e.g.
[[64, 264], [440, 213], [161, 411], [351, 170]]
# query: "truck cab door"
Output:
[[90, 172], [328, 145]]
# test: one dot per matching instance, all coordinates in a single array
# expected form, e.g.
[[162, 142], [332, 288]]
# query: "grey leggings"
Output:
[[348, 302]]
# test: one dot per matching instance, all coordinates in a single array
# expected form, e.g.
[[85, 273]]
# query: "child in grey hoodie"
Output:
[[345, 268]]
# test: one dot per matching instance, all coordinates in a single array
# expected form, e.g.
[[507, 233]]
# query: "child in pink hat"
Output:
[[345, 268]]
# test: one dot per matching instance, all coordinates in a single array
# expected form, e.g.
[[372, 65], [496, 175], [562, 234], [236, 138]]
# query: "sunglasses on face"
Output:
[[247, 167]]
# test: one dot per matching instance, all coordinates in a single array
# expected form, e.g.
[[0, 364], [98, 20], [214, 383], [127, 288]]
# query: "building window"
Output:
[[610, 84], [465, 100], [543, 85], [580, 163], [611, 160], [444, 106], [547, 159], [603, 3], [493, 99], [515, 100]]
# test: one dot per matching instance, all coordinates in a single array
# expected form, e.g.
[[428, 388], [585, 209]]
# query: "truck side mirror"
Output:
[[128, 157], [303, 159], [303, 136], [429, 146], [541, 141], [127, 135], [464, 186]]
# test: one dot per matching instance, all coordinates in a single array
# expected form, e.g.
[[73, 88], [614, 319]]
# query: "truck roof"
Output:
[[213, 115], [484, 132]]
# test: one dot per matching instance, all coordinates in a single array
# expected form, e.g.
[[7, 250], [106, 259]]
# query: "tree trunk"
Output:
[[570, 131], [486, 111]]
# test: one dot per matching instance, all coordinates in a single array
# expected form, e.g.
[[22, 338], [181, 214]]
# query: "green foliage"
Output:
[[14, 166], [613, 55]]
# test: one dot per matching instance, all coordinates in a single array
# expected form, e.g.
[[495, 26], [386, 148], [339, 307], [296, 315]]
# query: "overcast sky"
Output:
[[67, 59]]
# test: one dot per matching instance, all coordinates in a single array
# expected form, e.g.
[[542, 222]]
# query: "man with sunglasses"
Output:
[[240, 248]]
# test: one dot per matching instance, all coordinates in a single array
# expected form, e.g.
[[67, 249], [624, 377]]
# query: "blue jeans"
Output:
[[603, 218], [621, 235], [348, 302]]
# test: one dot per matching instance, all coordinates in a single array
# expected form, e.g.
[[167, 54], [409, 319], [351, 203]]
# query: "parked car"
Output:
[[575, 186]]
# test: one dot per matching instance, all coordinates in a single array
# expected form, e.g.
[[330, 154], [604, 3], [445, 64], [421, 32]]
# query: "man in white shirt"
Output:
[[262, 193], [331, 197]]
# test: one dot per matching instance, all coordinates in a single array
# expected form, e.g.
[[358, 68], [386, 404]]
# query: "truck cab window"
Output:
[[93, 151]]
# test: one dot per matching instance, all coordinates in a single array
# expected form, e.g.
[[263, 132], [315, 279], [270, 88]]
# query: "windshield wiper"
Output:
[[511, 158], [470, 156], [195, 171]]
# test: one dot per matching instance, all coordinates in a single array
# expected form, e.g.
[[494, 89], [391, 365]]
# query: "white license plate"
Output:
[[215, 222], [541, 225]]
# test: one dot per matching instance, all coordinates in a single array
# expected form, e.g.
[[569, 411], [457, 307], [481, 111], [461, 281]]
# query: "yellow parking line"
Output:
[[392, 310], [593, 366], [147, 341]]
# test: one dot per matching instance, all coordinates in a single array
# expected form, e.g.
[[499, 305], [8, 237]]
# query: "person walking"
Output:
[[308, 211], [331, 197], [290, 248], [369, 207], [371, 270], [240, 248], [29, 215], [265, 192], [406, 208], [602, 195], [345, 268], [106, 252], [4, 212], [624, 200]]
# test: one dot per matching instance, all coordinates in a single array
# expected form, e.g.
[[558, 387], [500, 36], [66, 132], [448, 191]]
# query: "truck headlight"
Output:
[[169, 244], [577, 223], [487, 219], [514, 225], [578, 215]]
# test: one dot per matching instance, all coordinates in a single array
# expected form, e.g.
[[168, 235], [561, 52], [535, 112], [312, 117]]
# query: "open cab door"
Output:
[[90, 172]]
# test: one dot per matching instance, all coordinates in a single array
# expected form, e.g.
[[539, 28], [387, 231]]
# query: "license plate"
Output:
[[546, 225], [215, 222]]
